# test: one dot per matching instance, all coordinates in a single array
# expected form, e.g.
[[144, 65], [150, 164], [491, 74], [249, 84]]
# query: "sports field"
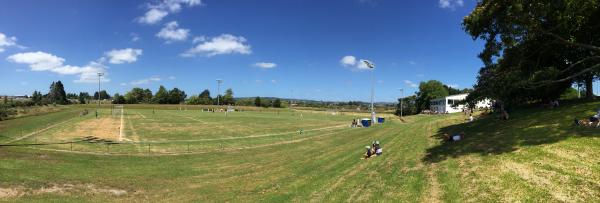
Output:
[[261, 156]]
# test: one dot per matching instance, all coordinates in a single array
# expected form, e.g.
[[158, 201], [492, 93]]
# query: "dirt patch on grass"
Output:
[[61, 189], [104, 128], [10, 192]]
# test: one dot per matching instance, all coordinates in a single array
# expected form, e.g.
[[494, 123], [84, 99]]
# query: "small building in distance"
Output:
[[447, 104]]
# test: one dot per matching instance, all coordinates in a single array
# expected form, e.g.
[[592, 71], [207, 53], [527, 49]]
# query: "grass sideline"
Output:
[[536, 156]]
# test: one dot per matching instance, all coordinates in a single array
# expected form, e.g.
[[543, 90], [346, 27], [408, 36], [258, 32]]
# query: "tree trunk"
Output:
[[589, 87]]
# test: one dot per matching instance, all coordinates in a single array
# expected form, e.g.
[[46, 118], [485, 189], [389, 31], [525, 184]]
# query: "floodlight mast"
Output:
[[401, 99], [219, 81], [100, 74], [372, 68]]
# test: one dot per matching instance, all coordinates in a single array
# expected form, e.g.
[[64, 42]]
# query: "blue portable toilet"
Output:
[[365, 122], [380, 119]]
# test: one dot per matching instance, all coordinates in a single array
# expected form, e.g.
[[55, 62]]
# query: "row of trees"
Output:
[[204, 98], [144, 96], [535, 49]]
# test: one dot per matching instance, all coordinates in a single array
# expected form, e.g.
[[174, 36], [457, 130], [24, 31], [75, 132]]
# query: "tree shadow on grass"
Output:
[[529, 127]]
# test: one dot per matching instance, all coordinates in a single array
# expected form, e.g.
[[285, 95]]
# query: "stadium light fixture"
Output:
[[219, 81], [100, 74], [371, 66]]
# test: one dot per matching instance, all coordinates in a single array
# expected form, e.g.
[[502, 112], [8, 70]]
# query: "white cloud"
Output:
[[6, 42], [412, 63], [119, 56], [153, 16], [41, 61], [198, 39], [20, 70], [135, 37], [453, 85], [171, 77], [450, 4], [223, 44], [265, 65], [156, 12], [171, 32], [123, 84], [145, 80], [410, 83], [350, 61], [274, 81], [37, 61]]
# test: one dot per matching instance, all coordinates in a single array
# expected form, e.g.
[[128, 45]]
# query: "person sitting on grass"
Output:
[[369, 153], [378, 150]]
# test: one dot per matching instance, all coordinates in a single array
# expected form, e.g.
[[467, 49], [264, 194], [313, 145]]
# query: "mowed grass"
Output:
[[536, 156]]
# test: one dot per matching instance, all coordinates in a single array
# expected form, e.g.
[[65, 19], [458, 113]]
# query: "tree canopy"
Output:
[[534, 50]]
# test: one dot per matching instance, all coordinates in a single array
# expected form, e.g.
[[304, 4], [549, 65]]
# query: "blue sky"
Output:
[[279, 48]]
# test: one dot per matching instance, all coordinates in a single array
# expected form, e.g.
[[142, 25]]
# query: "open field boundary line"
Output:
[[142, 154], [245, 137], [41, 130]]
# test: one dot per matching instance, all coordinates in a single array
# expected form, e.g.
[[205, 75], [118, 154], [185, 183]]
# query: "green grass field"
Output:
[[538, 155]]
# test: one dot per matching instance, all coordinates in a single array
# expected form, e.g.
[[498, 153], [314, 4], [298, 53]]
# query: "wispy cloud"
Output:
[[135, 37], [450, 4], [146, 81], [412, 63], [453, 85], [6, 41], [410, 83], [157, 11], [265, 65]]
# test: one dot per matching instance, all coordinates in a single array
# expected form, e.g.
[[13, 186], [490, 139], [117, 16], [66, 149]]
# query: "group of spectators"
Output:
[[595, 119], [374, 149]]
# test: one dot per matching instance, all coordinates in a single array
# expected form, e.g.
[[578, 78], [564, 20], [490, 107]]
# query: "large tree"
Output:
[[429, 90], [57, 93], [162, 96], [228, 97], [535, 49], [204, 97], [176, 96]]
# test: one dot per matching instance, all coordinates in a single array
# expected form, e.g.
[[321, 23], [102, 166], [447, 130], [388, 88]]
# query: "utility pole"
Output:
[[219, 81]]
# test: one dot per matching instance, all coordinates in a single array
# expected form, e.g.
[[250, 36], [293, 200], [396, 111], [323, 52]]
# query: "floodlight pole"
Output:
[[372, 68], [99, 77], [219, 81], [401, 98]]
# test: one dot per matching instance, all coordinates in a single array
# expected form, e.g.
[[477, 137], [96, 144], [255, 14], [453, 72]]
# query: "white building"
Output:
[[446, 104]]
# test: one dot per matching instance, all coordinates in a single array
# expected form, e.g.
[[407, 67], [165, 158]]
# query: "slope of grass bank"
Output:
[[536, 156]]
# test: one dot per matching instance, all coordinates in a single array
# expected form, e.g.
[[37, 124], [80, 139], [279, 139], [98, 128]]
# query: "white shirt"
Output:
[[379, 151]]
